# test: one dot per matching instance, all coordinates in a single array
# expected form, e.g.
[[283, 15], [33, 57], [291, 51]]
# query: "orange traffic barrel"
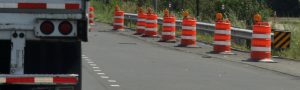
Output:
[[141, 23], [151, 25], [188, 33], [119, 20], [91, 16], [261, 42], [91, 9], [222, 37], [168, 29], [91, 22]]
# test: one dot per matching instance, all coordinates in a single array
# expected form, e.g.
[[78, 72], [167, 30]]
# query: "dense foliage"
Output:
[[239, 11]]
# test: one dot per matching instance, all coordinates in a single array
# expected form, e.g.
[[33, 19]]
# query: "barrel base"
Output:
[[189, 46], [262, 60], [153, 36], [137, 33], [268, 61], [223, 53], [167, 41], [118, 29]]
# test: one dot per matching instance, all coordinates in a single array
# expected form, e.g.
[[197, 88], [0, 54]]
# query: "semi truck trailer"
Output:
[[40, 44]]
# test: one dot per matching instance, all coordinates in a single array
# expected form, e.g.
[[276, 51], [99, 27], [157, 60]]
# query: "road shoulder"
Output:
[[283, 66]]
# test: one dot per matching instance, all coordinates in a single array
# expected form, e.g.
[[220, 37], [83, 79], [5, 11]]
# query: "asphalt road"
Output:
[[115, 62]]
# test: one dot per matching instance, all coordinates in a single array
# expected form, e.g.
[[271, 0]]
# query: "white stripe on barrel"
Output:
[[168, 33], [169, 24], [227, 43], [188, 37], [151, 29], [261, 49], [189, 28], [151, 21], [261, 36], [140, 27]]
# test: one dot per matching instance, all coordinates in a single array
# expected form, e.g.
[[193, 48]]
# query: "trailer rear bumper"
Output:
[[36, 79]]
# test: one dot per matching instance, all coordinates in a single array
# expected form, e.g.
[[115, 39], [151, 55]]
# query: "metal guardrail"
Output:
[[203, 27]]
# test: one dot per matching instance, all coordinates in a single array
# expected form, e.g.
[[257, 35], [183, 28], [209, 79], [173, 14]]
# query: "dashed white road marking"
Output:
[[105, 77], [111, 80], [93, 64], [95, 67], [85, 57], [101, 73], [97, 70], [90, 62], [115, 85]]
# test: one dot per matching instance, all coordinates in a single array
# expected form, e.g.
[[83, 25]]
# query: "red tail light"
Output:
[[47, 27], [65, 27]]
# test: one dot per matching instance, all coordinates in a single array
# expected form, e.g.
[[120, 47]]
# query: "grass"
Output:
[[104, 13], [207, 38]]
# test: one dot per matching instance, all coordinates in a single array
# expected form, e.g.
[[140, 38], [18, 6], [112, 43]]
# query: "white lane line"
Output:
[[96, 67], [85, 57], [111, 80], [97, 70], [105, 77], [115, 85], [101, 73], [90, 62], [93, 64]]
